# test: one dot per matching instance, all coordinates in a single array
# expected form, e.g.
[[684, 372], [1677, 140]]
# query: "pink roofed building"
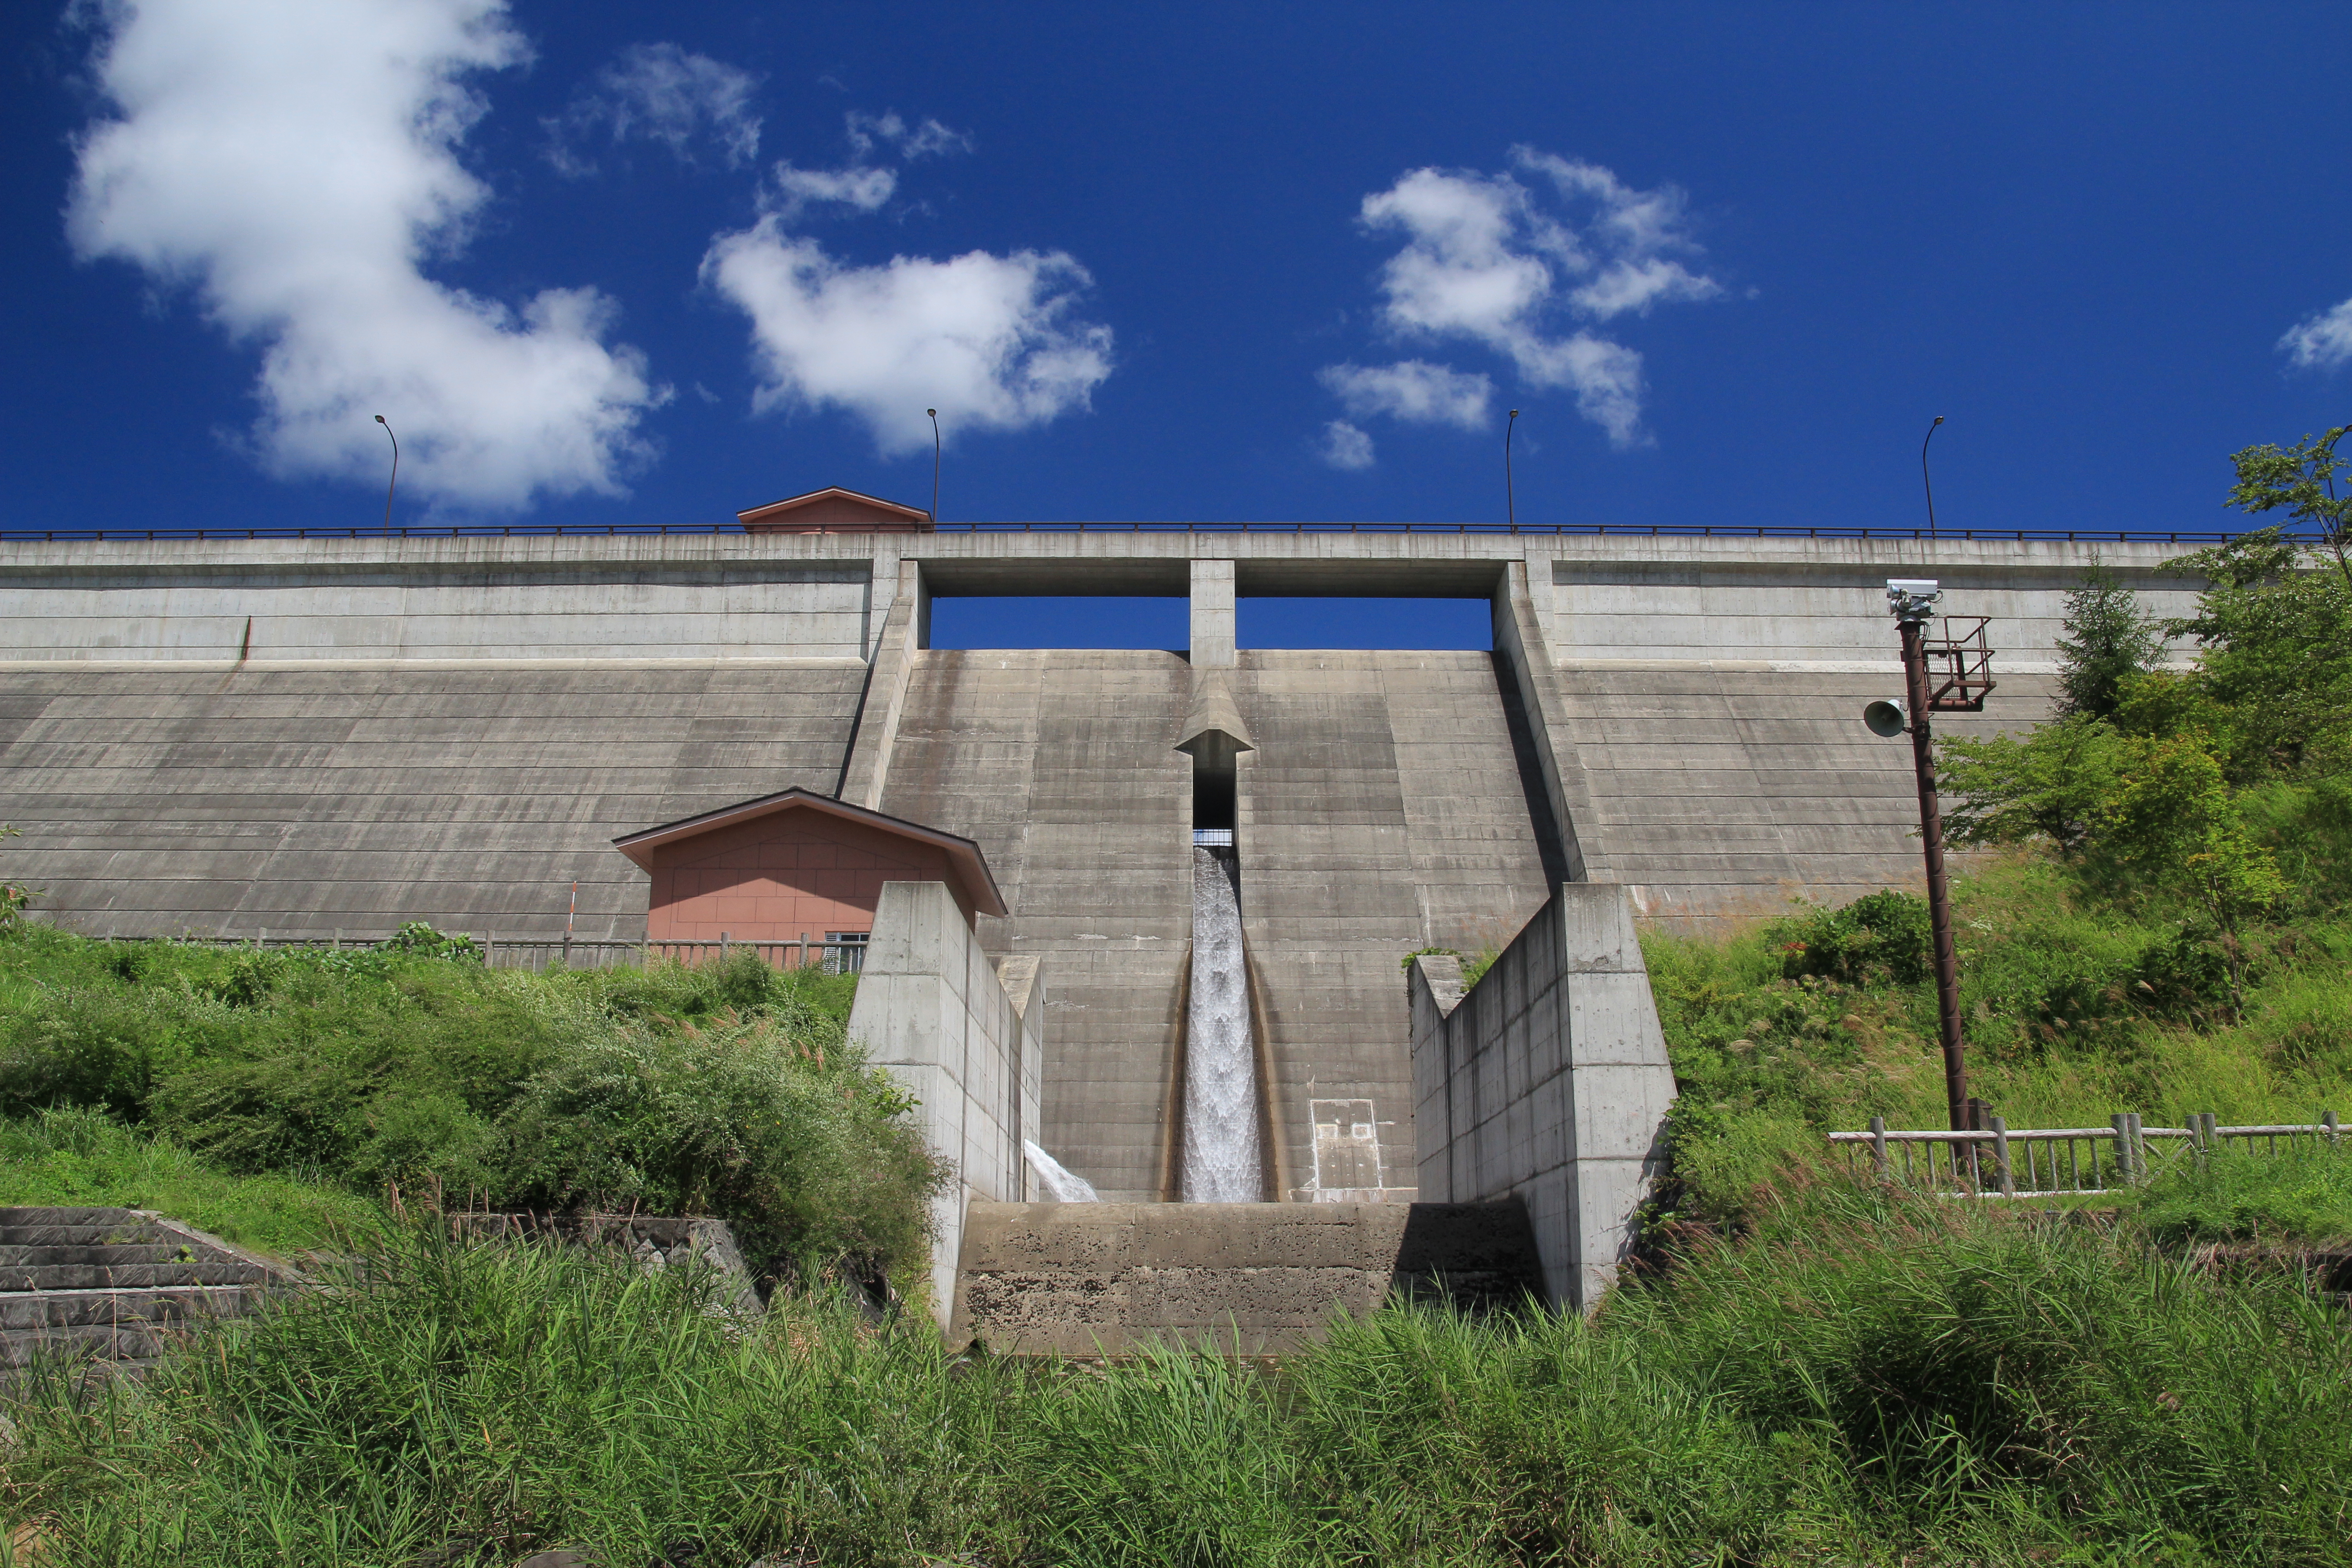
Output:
[[793, 865]]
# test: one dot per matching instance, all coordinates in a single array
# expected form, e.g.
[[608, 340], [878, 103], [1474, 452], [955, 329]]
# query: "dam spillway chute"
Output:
[[1223, 1160], [1222, 1156]]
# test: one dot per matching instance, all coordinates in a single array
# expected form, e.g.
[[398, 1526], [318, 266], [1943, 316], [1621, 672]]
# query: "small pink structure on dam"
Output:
[[795, 864]]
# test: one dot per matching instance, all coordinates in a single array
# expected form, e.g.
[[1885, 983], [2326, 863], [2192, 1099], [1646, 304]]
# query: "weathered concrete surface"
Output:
[[305, 800], [1383, 811], [101, 603], [932, 1012], [1724, 794], [1085, 1280], [1062, 767], [1549, 1081], [191, 712]]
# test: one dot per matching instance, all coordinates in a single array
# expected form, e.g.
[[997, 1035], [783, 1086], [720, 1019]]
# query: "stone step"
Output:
[[131, 1232], [129, 1275], [1085, 1280], [101, 1255], [45, 1215], [175, 1305], [132, 1346]]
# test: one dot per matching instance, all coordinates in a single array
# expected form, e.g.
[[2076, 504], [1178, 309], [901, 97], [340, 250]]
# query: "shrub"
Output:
[[1880, 936], [728, 1088]]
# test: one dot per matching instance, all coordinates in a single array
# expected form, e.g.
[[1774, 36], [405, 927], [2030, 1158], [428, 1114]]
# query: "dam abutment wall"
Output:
[[1548, 1082], [959, 1033]]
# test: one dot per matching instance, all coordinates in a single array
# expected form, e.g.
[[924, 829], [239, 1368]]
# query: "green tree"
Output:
[[2276, 656], [2106, 642], [2055, 783], [2301, 478], [2175, 830]]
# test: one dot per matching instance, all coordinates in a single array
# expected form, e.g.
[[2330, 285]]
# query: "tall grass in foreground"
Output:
[[1866, 1379]]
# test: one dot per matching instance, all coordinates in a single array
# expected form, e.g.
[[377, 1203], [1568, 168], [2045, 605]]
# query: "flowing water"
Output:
[[1061, 1184], [1222, 1160]]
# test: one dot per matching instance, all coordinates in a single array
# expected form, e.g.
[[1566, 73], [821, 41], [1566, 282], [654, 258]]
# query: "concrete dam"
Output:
[[313, 736]]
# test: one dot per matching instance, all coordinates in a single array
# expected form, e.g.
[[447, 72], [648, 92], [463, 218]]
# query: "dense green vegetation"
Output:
[[311, 1075], [2074, 1009], [1865, 1378]]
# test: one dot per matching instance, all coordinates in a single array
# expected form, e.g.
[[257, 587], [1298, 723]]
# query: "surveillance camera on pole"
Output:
[[1962, 681]]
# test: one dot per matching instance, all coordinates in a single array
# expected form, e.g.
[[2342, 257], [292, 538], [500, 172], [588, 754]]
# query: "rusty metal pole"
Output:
[[1939, 897]]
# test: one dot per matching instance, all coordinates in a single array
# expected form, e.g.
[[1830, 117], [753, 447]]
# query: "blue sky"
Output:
[[603, 262]]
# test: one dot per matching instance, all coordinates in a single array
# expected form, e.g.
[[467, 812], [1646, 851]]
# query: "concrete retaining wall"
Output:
[[1547, 1082], [1085, 1280], [1384, 810], [934, 1013]]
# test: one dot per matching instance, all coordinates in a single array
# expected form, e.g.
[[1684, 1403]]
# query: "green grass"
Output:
[[2072, 1013], [728, 1088], [79, 1158], [1864, 1378], [2298, 1194]]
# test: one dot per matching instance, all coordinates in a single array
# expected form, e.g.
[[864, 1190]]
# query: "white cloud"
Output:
[[1345, 447], [1412, 390], [861, 186], [928, 140], [988, 341], [662, 93], [1485, 260], [2322, 342], [293, 161], [863, 190], [1633, 238]]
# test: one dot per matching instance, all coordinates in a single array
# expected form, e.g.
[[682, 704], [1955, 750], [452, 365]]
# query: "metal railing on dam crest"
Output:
[[1557, 530]]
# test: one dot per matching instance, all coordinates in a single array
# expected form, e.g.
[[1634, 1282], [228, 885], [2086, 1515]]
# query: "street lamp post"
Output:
[[1913, 600]]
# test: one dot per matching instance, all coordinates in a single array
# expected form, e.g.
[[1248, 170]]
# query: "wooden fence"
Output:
[[2000, 1162]]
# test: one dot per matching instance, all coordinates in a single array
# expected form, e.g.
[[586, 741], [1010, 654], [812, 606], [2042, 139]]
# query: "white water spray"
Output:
[[1062, 1186], [1222, 1161]]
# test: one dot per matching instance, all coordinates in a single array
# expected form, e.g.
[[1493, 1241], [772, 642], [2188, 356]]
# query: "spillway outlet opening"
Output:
[[1216, 790]]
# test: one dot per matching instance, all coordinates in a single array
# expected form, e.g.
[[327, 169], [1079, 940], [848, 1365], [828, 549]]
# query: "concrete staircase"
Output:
[[113, 1287], [1105, 1279]]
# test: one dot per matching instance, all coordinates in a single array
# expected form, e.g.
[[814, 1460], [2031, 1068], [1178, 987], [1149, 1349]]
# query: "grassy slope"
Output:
[[80, 1158], [270, 1094], [2063, 1028], [1851, 1375], [1866, 1379]]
